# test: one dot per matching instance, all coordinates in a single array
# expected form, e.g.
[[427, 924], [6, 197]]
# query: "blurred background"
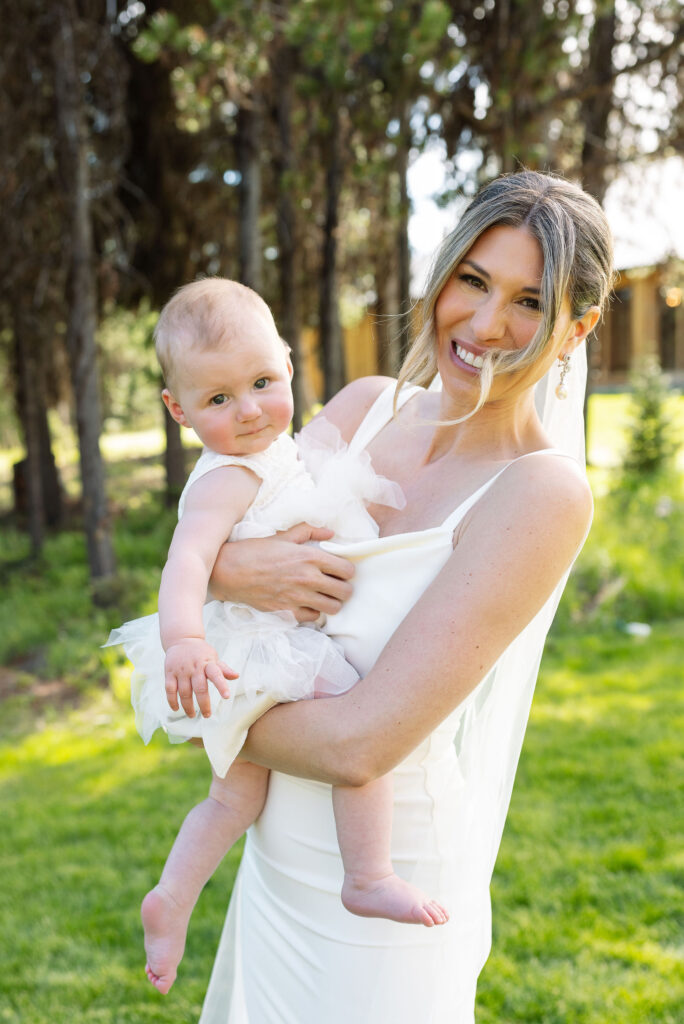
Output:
[[318, 151]]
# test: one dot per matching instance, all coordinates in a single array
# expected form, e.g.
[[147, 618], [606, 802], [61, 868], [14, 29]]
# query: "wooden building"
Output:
[[645, 318]]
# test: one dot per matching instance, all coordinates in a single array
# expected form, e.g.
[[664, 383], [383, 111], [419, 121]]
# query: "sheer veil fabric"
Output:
[[465, 772], [491, 727]]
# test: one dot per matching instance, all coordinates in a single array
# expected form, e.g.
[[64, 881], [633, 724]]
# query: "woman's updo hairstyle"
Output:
[[577, 251]]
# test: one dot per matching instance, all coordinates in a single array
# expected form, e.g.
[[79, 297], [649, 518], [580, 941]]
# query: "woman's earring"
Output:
[[561, 390]]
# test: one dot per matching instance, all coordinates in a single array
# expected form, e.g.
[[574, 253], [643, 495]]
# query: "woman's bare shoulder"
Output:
[[349, 406], [545, 493], [556, 482]]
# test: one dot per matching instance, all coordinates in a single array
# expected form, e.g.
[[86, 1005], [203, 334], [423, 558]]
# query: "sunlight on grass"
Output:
[[88, 815], [132, 445], [587, 893], [609, 417]]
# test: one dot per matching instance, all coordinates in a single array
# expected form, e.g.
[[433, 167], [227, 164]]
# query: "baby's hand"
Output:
[[189, 664]]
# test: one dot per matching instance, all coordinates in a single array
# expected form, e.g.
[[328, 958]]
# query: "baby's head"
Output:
[[227, 371]]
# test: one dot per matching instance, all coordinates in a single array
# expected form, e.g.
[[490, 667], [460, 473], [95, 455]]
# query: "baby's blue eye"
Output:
[[261, 383], [218, 399]]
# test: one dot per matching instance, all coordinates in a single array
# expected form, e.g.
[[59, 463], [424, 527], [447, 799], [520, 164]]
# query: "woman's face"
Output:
[[492, 301]]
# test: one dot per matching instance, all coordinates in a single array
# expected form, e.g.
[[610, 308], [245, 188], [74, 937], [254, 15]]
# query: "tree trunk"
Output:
[[30, 480], [403, 252], [174, 460], [81, 293], [594, 114], [286, 226], [249, 163], [386, 316], [595, 110], [328, 308], [159, 154], [507, 114], [31, 404]]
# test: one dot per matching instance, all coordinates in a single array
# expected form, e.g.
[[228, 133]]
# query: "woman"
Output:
[[451, 606]]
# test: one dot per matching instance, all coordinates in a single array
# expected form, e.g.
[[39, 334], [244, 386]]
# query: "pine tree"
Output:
[[651, 440]]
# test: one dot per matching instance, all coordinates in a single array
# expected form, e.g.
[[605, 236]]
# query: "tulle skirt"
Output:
[[277, 660]]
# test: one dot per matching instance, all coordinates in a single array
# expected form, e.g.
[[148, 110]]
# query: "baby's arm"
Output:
[[213, 505]]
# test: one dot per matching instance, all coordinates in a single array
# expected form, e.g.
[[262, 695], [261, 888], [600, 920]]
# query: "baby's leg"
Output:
[[363, 816], [206, 835]]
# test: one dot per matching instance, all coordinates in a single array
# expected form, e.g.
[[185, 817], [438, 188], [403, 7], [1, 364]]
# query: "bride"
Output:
[[450, 610]]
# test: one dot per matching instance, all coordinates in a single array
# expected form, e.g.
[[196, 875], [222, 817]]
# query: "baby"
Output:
[[228, 376]]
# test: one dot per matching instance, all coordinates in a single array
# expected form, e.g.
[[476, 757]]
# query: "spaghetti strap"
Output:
[[379, 414], [454, 518]]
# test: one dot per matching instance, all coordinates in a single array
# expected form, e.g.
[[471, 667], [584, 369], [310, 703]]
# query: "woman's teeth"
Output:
[[469, 358]]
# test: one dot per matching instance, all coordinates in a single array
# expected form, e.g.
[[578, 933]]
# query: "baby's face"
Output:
[[237, 398]]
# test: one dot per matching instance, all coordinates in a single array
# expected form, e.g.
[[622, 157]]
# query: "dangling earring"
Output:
[[561, 390]]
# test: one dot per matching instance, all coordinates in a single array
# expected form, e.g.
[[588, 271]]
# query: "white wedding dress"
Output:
[[290, 953], [318, 479]]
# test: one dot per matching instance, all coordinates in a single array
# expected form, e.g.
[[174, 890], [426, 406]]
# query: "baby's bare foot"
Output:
[[393, 898], [166, 924]]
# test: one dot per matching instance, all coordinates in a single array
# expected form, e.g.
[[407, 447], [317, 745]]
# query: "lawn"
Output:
[[588, 897], [588, 904], [588, 908], [89, 813]]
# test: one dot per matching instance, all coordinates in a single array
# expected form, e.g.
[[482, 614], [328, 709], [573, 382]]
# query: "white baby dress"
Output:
[[316, 480]]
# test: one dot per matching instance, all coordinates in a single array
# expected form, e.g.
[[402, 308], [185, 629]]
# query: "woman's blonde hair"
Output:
[[577, 251]]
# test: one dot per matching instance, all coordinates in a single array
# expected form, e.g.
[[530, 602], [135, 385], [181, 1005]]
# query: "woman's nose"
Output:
[[488, 321]]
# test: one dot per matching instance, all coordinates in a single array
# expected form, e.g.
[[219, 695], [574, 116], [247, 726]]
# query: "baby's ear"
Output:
[[174, 408], [288, 355]]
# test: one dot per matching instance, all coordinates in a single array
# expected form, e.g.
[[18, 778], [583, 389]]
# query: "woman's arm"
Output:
[[516, 545], [285, 571]]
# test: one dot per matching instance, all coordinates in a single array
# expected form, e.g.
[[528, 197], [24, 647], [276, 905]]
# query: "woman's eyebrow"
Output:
[[476, 266], [483, 272]]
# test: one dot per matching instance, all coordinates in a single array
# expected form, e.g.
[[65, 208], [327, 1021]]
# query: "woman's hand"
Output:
[[284, 572]]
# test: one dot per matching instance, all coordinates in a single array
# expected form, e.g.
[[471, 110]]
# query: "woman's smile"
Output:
[[466, 356]]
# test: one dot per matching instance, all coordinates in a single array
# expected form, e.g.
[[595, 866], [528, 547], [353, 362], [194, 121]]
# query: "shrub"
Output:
[[651, 442]]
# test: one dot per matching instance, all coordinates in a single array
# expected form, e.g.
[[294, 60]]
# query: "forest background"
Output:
[[142, 145]]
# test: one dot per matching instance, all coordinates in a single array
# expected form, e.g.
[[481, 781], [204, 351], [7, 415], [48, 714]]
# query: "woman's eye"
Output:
[[471, 279], [533, 304], [261, 383], [218, 399]]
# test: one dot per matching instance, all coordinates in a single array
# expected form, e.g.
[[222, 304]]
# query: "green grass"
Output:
[[588, 897], [631, 566], [588, 906], [609, 416], [50, 626], [88, 815]]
